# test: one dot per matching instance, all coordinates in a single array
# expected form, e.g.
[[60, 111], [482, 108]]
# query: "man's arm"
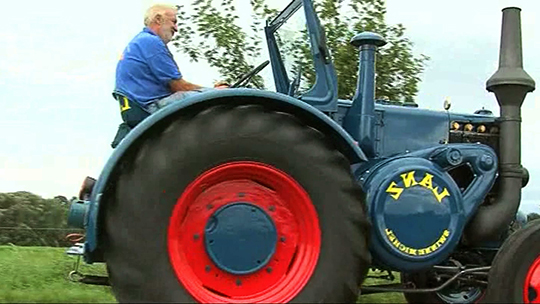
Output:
[[182, 85]]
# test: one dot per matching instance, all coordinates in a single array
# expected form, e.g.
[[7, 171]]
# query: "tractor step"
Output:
[[76, 250], [95, 280]]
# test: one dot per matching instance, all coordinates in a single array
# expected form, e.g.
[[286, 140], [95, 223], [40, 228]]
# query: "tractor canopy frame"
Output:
[[323, 95]]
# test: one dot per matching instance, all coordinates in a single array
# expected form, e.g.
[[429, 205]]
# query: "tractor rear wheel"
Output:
[[236, 204], [515, 273]]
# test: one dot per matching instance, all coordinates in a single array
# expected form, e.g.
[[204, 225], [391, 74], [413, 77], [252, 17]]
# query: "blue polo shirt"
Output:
[[145, 68]]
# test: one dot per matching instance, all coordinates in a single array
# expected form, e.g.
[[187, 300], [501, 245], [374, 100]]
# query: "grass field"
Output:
[[39, 274]]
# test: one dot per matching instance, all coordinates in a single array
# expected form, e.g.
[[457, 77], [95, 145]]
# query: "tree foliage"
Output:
[[533, 216], [27, 219], [215, 35]]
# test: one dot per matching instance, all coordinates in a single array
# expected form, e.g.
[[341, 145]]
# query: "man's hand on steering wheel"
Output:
[[221, 85]]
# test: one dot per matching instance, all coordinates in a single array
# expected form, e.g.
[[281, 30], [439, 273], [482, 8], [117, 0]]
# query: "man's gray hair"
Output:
[[157, 10]]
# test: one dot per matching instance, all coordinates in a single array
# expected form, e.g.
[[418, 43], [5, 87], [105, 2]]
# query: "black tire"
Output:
[[158, 171], [511, 264], [422, 280]]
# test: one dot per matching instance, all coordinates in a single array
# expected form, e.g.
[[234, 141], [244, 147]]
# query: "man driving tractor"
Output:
[[147, 77]]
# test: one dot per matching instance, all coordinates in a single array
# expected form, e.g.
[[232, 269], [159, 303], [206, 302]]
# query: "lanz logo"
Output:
[[410, 181]]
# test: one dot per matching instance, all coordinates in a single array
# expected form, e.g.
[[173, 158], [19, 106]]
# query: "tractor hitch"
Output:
[[76, 276], [78, 210], [399, 287]]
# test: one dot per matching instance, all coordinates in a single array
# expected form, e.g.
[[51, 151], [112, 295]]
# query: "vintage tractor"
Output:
[[244, 195]]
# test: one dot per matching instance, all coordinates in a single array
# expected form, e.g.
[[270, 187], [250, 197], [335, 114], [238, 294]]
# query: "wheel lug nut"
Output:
[[207, 268], [238, 282], [196, 236], [269, 269]]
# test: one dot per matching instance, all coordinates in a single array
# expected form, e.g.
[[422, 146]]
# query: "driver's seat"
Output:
[[132, 114]]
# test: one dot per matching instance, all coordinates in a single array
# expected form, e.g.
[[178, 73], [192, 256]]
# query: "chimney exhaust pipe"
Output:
[[510, 84]]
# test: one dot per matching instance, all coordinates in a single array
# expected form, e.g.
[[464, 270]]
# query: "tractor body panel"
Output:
[[308, 114], [402, 129]]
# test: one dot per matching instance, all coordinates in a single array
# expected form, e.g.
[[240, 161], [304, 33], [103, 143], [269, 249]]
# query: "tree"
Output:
[[213, 35], [533, 216], [62, 199], [220, 41], [30, 220]]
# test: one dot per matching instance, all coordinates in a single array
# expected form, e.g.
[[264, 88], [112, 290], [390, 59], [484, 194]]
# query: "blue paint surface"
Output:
[[359, 120], [401, 129], [77, 214], [416, 219], [417, 210], [240, 238]]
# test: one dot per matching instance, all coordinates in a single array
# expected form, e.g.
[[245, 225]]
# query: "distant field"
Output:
[[39, 274]]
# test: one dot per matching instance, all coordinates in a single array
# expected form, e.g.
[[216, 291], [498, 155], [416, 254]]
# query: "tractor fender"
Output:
[[195, 103]]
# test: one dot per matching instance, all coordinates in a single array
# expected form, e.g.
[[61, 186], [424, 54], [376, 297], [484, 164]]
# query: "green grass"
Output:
[[393, 297], [39, 274]]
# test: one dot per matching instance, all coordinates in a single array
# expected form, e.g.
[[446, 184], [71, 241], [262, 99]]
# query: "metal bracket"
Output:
[[76, 276], [399, 287]]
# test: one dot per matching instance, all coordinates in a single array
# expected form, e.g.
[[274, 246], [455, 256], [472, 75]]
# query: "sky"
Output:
[[57, 63]]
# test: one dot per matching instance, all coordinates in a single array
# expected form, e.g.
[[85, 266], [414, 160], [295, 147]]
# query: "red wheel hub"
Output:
[[531, 290], [269, 190]]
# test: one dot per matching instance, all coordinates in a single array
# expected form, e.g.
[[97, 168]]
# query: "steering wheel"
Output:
[[295, 84], [247, 77]]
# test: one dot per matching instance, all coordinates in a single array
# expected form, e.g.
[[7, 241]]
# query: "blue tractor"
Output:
[[245, 196]]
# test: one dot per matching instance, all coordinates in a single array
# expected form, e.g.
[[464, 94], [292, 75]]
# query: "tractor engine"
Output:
[[417, 209], [421, 203]]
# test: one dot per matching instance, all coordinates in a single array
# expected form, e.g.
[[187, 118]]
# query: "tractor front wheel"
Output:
[[515, 273], [240, 205]]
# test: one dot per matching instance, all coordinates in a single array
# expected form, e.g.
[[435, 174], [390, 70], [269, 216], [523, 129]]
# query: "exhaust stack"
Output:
[[510, 84], [360, 119]]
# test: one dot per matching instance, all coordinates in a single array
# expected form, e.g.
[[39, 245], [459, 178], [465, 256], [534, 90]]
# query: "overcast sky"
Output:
[[57, 63]]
